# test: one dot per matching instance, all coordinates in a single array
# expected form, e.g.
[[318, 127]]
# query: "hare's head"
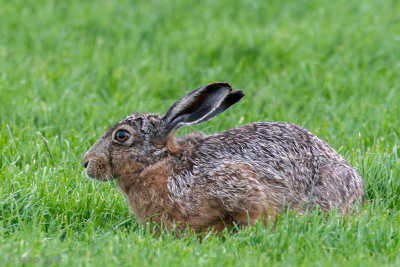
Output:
[[141, 140]]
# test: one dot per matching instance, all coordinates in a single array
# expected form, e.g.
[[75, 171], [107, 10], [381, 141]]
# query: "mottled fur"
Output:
[[205, 182]]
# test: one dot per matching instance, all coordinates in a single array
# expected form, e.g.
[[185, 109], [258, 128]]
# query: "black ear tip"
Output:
[[218, 85], [237, 94], [233, 98]]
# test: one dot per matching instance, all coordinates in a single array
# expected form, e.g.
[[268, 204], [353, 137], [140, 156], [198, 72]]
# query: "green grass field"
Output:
[[69, 69]]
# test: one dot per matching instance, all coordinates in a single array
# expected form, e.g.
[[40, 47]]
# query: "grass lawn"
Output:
[[69, 69]]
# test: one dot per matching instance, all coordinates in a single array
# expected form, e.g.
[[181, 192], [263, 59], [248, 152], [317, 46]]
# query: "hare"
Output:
[[211, 182]]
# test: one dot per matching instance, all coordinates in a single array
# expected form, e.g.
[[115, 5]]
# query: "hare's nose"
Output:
[[85, 163], [85, 160]]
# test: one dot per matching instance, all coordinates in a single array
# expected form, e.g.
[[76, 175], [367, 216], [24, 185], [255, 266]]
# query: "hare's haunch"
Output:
[[214, 181]]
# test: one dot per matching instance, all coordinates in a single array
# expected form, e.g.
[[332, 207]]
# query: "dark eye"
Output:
[[122, 135]]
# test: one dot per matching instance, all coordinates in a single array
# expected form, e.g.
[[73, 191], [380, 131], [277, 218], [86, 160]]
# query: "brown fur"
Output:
[[148, 199], [171, 144], [146, 192]]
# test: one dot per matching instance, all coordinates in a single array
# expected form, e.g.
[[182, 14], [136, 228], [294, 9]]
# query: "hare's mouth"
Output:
[[97, 170], [98, 177]]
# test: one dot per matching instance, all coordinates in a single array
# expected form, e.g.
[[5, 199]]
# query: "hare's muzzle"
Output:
[[96, 166]]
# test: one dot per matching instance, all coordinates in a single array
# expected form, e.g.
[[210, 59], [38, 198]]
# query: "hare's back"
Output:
[[268, 141]]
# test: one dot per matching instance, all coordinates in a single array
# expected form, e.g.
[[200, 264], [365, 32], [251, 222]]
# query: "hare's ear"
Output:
[[200, 106]]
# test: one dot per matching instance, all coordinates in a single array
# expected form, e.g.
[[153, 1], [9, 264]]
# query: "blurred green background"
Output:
[[69, 69]]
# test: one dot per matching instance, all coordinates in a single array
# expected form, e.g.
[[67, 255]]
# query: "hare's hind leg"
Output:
[[338, 186]]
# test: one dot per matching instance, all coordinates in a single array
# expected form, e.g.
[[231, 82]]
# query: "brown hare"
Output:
[[233, 177]]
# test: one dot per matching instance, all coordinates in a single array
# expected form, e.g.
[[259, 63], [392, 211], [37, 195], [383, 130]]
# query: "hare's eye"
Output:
[[122, 135]]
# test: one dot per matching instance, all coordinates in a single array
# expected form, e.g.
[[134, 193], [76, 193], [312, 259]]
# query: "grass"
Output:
[[69, 69]]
